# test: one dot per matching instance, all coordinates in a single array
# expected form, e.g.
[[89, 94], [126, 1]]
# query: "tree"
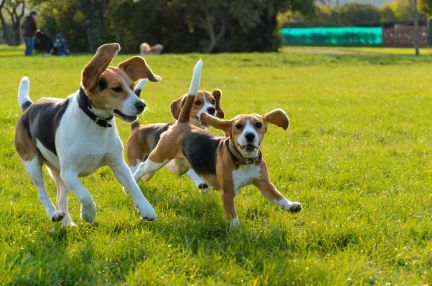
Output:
[[355, 14], [15, 11], [94, 21], [180, 25], [425, 6]]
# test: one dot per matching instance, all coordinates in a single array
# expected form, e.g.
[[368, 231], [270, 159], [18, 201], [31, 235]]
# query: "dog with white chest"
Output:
[[224, 163], [75, 136]]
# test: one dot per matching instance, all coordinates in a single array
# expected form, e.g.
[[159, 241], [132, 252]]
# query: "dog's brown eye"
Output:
[[258, 125], [238, 126], [197, 102], [213, 102], [117, 89]]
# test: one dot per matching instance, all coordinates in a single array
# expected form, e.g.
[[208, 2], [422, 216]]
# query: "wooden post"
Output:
[[416, 28]]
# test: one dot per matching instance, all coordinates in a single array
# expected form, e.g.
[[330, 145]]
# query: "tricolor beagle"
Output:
[[144, 138], [225, 164], [77, 135]]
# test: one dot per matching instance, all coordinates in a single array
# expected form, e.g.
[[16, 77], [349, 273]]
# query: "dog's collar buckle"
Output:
[[103, 122]]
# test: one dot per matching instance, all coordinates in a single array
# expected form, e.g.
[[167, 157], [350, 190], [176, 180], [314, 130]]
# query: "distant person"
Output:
[[29, 29], [59, 47]]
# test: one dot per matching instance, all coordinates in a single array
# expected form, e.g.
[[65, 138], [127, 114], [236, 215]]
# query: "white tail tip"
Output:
[[141, 84], [196, 77], [23, 91]]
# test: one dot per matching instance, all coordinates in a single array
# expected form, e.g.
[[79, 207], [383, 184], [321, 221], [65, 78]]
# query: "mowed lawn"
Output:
[[357, 155]]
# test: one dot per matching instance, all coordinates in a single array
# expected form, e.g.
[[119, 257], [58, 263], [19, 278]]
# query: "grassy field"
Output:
[[357, 155]]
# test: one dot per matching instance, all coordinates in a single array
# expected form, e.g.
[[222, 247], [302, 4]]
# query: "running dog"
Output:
[[227, 163], [77, 135]]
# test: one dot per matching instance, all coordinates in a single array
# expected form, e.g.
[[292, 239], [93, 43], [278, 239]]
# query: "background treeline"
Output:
[[180, 25], [190, 25], [354, 14]]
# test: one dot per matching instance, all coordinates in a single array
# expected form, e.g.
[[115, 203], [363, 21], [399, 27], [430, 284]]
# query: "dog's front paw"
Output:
[[295, 207], [147, 212], [88, 212], [292, 207], [57, 215]]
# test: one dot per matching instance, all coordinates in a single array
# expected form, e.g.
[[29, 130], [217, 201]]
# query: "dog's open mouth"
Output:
[[127, 118], [248, 147]]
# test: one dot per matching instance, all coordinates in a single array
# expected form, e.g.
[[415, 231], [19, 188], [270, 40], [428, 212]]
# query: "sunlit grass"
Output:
[[357, 155]]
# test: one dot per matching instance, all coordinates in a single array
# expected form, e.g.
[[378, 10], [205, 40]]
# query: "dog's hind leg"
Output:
[[62, 197], [34, 169], [203, 186]]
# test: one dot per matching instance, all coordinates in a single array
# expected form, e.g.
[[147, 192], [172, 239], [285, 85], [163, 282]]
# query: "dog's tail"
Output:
[[137, 91], [193, 91], [24, 100]]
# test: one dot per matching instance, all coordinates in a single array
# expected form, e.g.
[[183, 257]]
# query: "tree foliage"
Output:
[[425, 6], [357, 14], [180, 25]]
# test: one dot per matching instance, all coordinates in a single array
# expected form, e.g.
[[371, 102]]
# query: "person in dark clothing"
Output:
[[29, 29], [42, 42]]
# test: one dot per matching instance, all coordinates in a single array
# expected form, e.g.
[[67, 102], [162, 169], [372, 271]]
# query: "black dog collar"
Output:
[[85, 105]]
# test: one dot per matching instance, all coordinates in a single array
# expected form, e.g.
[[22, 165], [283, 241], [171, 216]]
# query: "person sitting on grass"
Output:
[[60, 46]]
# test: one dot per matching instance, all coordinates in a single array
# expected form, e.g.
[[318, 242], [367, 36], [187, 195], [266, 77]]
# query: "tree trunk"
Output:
[[214, 39], [6, 35], [15, 38], [416, 28]]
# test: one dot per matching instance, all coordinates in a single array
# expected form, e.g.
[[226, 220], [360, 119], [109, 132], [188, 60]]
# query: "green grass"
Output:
[[357, 155]]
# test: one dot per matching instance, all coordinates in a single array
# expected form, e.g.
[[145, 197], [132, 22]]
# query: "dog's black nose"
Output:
[[250, 137], [139, 105], [211, 110]]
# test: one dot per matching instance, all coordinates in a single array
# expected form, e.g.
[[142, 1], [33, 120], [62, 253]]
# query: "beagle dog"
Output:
[[77, 135], [144, 138], [226, 163]]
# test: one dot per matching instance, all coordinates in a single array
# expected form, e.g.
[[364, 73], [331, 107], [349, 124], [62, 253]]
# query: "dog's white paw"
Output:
[[295, 207], [88, 212], [57, 215], [147, 212], [292, 207], [234, 223]]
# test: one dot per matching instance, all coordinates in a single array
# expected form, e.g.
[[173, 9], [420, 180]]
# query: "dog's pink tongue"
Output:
[[193, 89]]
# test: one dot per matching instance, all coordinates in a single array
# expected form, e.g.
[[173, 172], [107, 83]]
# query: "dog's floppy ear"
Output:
[[136, 68], [176, 106], [98, 64], [217, 94], [277, 117], [215, 122]]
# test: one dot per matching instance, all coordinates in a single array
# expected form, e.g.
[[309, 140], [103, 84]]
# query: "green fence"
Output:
[[350, 36]]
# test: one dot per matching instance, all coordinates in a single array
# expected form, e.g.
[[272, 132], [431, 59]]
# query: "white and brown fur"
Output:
[[224, 167], [144, 138], [60, 134]]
